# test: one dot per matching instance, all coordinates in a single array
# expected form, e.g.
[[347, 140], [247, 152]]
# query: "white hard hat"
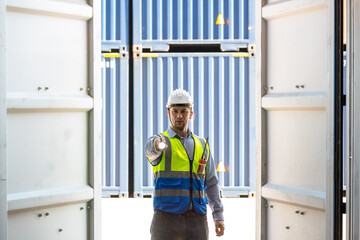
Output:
[[179, 97]]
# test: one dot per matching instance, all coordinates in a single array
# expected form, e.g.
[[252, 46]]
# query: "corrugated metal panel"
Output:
[[53, 141], [219, 84], [115, 124], [115, 24], [160, 22]]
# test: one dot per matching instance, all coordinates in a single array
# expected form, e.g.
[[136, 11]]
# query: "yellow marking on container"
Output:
[[221, 167], [244, 54], [149, 55], [112, 55], [220, 20]]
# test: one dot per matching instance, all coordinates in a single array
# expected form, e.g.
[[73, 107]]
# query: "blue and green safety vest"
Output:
[[180, 180]]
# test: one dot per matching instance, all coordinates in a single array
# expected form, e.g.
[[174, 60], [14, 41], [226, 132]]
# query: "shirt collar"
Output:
[[172, 133]]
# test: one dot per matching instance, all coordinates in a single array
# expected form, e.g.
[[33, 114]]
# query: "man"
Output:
[[184, 176]]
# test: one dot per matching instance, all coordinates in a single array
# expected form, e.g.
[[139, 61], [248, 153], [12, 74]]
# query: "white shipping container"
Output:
[[50, 119]]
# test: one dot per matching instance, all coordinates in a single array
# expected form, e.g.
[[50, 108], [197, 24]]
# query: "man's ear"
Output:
[[191, 114]]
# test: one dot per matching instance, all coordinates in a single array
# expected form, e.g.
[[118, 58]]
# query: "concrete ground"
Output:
[[130, 218]]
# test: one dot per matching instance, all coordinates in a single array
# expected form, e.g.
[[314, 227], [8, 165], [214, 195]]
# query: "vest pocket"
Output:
[[170, 191]]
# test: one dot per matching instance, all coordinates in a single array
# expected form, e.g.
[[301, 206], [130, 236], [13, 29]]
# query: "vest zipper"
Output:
[[191, 177], [191, 184]]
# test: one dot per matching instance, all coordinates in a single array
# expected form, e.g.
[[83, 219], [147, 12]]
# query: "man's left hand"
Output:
[[219, 227]]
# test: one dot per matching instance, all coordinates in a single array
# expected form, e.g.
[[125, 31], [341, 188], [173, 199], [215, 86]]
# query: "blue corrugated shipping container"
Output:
[[224, 111], [158, 23], [220, 83], [115, 124], [115, 25]]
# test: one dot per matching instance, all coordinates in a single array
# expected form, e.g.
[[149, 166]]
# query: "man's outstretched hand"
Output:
[[219, 228]]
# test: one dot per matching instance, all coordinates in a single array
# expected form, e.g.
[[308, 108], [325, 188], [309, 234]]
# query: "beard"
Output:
[[180, 127]]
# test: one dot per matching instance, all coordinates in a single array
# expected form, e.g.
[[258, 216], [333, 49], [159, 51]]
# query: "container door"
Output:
[[53, 118], [294, 62]]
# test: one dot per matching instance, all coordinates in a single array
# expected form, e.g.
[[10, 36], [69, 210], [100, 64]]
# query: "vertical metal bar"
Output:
[[112, 122], [149, 23], [190, 19], [160, 93], [252, 100], [103, 20], [231, 19], [242, 18], [150, 110], [135, 16], [221, 27], [103, 118], [133, 31], [122, 23], [191, 85], [112, 22], [170, 20], [231, 122], [211, 20], [160, 20], [221, 117], [180, 24], [211, 105], [124, 125], [170, 75], [138, 122], [94, 143], [180, 72], [338, 119], [352, 162], [242, 92], [261, 122], [200, 17], [200, 93]]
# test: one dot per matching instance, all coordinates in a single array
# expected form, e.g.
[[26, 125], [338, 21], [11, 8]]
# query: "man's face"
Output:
[[180, 116]]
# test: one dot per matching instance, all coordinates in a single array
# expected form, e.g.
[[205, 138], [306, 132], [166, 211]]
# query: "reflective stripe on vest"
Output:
[[172, 177]]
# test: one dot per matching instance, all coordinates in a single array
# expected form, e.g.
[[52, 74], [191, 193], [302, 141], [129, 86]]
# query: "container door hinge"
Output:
[[251, 49], [136, 51]]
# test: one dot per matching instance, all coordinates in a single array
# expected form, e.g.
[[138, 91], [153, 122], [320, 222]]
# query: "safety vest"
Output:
[[178, 180]]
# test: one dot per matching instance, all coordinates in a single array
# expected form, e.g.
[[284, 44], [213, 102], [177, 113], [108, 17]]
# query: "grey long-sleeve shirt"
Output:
[[212, 190]]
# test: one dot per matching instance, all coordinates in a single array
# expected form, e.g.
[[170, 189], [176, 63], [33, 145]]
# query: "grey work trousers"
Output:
[[167, 226]]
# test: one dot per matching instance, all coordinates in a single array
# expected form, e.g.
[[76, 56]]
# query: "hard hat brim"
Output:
[[179, 105]]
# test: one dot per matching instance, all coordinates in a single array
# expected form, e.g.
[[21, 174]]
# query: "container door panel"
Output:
[[294, 59], [53, 119]]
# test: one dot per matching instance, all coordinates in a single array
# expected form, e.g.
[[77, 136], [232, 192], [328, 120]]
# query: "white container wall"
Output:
[[53, 119], [222, 92], [115, 124]]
